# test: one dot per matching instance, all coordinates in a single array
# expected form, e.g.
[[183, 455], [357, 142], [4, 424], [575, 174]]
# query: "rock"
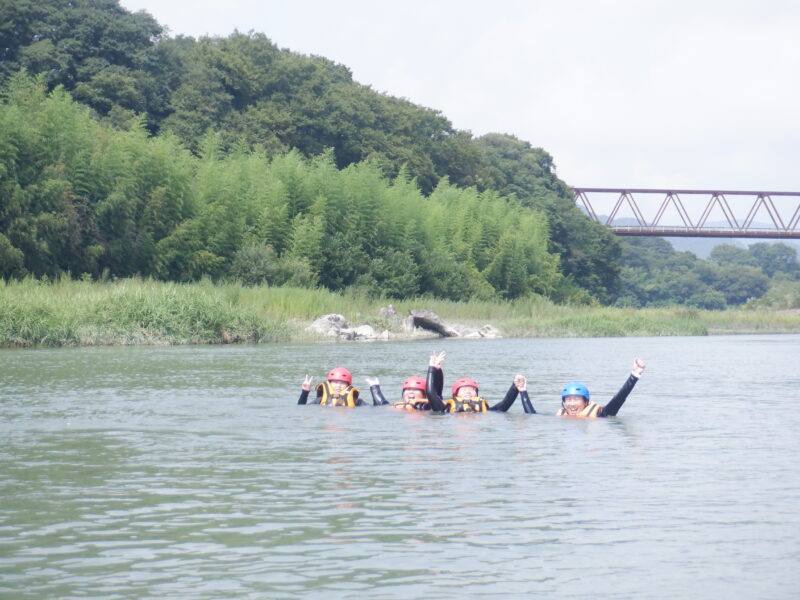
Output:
[[427, 319], [420, 323], [489, 331], [365, 332], [389, 312], [331, 325], [335, 325]]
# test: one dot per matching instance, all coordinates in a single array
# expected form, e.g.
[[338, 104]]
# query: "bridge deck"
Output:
[[783, 213]]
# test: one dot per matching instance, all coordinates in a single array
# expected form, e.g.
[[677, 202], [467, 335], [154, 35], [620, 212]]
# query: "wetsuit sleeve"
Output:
[[377, 396], [612, 408], [505, 403], [526, 403], [434, 397], [304, 397], [438, 381]]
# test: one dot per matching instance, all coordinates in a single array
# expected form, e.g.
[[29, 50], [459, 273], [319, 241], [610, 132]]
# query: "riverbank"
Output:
[[132, 311]]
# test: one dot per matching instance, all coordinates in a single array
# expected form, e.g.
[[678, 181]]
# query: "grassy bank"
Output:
[[132, 311]]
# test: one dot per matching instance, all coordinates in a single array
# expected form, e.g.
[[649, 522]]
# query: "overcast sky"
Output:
[[691, 94]]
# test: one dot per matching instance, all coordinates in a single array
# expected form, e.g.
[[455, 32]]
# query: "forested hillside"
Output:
[[655, 274], [124, 151], [257, 101]]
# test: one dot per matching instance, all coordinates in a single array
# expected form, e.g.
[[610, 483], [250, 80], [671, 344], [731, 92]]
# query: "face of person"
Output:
[[411, 395], [338, 386], [574, 404], [467, 392]]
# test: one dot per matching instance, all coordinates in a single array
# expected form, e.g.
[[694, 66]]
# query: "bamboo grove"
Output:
[[86, 198]]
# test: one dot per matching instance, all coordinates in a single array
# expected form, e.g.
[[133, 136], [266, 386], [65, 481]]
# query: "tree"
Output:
[[727, 254], [776, 258], [588, 251], [94, 47], [740, 283]]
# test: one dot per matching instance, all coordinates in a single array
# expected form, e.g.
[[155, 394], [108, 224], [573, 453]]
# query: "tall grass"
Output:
[[134, 311], [130, 311]]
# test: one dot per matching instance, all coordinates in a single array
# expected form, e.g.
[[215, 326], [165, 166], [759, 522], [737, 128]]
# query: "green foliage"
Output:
[[11, 259], [654, 274], [726, 254], [69, 313], [588, 251], [776, 260], [88, 198], [108, 197], [94, 47], [65, 312], [82, 197], [781, 295]]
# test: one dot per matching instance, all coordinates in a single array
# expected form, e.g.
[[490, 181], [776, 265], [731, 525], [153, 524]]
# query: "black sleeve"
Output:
[[526, 403], [506, 402], [434, 397], [438, 381], [377, 396], [303, 397], [358, 401], [612, 408]]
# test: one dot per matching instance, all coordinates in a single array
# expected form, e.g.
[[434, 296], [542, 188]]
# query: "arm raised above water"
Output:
[[612, 408], [434, 395], [517, 386], [305, 387]]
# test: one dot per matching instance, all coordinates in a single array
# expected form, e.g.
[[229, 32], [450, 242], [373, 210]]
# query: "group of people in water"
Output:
[[426, 394]]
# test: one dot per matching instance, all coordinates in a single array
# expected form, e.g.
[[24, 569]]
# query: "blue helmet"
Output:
[[576, 388]]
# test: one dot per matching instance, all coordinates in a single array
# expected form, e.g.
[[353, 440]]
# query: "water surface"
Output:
[[190, 473]]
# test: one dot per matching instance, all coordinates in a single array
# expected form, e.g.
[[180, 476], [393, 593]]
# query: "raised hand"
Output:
[[307, 383], [520, 382], [437, 358], [638, 366], [372, 381]]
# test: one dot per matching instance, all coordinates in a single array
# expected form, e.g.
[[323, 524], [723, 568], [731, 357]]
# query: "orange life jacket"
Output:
[[421, 404], [590, 411]]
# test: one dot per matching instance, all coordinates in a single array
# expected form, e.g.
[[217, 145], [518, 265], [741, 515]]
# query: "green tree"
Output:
[[774, 259], [94, 47], [727, 254], [589, 252], [740, 283]]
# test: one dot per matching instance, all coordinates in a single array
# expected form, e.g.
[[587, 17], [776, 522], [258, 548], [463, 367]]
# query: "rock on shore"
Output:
[[420, 323]]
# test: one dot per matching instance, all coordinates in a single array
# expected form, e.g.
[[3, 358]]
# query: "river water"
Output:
[[191, 473]]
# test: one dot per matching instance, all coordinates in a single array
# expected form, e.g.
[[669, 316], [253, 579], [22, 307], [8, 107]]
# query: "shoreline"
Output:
[[68, 313]]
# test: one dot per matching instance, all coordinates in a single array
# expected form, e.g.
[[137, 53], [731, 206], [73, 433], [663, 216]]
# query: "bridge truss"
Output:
[[777, 206]]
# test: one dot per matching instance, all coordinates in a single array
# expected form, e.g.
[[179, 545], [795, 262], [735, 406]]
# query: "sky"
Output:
[[697, 94]]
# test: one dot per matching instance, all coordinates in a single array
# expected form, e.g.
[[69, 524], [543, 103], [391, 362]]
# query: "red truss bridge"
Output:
[[695, 213]]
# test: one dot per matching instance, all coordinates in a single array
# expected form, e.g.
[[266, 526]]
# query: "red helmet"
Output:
[[464, 382], [414, 383], [340, 374]]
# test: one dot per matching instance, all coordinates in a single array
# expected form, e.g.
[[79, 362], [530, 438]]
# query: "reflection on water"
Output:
[[191, 473]]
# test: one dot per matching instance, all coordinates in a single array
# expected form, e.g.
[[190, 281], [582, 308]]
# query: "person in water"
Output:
[[338, 390], [575, 400], [465, 395], [414, 392]]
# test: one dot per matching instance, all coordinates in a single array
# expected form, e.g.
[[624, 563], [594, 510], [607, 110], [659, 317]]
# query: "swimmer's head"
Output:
[[465, 388], [414, 388], [574, 397]]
